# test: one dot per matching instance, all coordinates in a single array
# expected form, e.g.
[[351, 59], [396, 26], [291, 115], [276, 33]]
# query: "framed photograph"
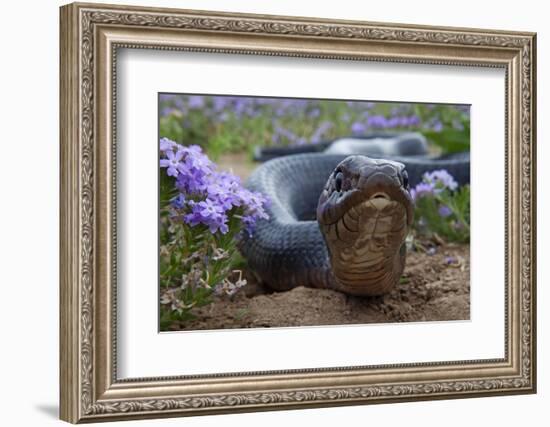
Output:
[[267, 212]]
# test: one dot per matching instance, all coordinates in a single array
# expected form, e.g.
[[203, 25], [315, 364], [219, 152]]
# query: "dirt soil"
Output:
[[434, 287]]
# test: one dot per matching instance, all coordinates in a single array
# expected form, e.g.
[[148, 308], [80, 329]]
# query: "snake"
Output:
[[338, 221]]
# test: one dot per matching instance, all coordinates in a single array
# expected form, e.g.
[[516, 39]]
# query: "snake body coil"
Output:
[[337, 221]]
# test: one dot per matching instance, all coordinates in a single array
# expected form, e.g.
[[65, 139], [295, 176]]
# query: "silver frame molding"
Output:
[[90, 37]]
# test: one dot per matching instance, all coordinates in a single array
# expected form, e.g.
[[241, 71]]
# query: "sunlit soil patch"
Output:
[[435, 287]]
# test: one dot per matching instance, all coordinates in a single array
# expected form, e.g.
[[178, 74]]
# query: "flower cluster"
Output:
[[205, 195], [442, 209], [378, 121], [434, 182]]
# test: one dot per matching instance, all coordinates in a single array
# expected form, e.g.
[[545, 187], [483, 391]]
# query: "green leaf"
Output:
[[450, 140]]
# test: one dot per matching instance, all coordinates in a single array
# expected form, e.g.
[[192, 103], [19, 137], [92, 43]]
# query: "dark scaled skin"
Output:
[[364, 213], [304, 243]]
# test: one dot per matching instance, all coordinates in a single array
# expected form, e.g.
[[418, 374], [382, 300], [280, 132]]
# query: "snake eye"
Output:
[[338, 180], [405, 177]]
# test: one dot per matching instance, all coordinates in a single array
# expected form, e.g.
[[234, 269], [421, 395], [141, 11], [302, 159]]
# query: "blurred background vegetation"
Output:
[[235, 125]]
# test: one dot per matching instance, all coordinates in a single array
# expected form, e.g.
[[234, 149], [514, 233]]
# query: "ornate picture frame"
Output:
[[90, 37]]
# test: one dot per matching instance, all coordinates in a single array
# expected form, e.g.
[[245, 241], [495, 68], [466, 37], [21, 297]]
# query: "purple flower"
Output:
[[314, 113], [166, 144], [240, 106], [178, 201], [172, 162], [208, 209], [208, 213], [437, 126], [216, 189], [280, 111], [444, 211], [441, 180], [434, 183], [394, 122], [209, 197], [219, 103], [255, 205], [249, 224], [358, 128], [193, 150], [281, 132], [196, 102], [413, 120], [166, 97], [166, 111], [422, 189], [194, 181], [218, 223], [196, 161], [377, 121], [225, 190], [179, 103], [194, 218]]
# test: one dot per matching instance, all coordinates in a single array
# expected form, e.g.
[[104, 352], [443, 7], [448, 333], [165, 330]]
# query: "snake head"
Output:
[[364, 212], [358, 179]]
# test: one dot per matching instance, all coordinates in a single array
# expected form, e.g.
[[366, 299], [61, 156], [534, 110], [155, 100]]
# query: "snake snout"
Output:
[[380, 201], [380, 185], [359, 179]]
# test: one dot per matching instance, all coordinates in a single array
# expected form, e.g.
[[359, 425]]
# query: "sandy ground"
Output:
[[433, 287]]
